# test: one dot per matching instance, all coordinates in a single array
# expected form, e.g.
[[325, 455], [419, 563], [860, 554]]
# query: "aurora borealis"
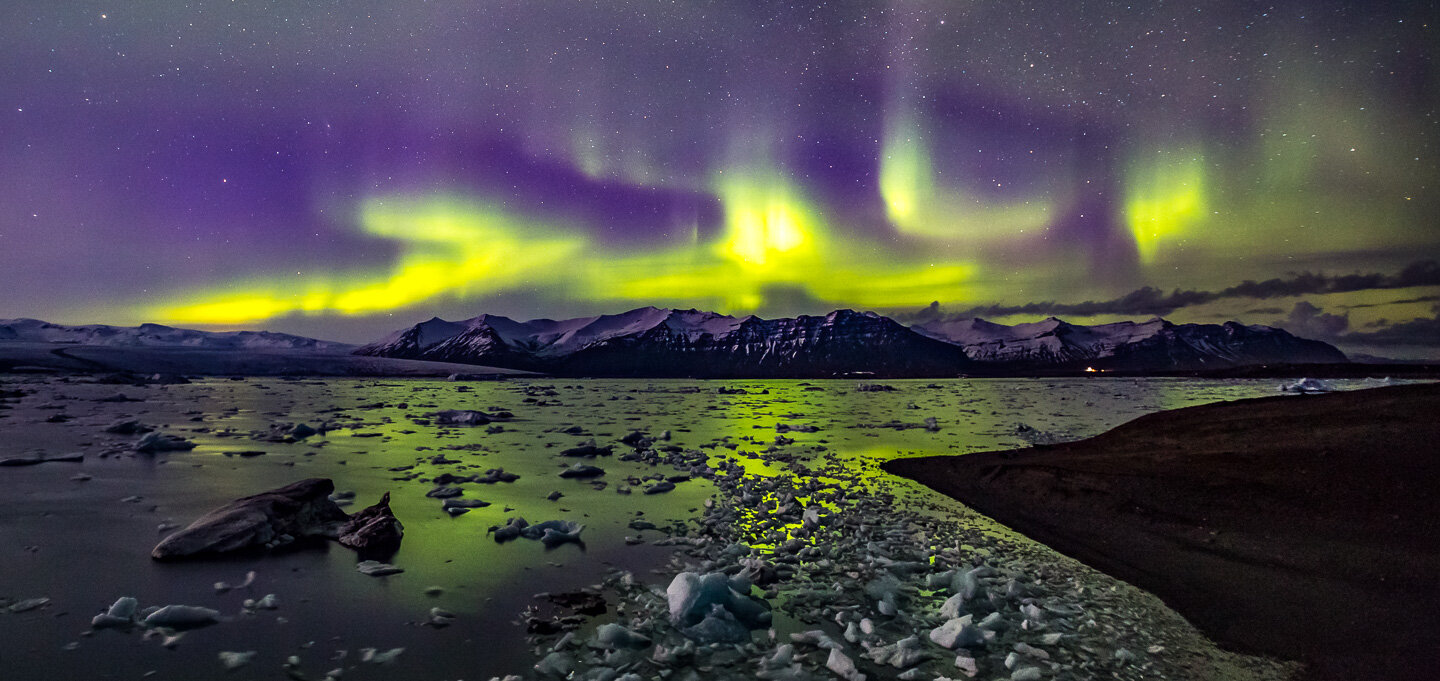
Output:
[[342, 169]]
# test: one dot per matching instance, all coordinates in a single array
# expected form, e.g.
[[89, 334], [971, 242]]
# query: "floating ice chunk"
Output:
[[222, 587], [182, 617], [510, 530], [553, 532], [691, 598], [581, 470], [233, 660], [374, 656], [121, 614], [461, 417], [162, 442], [1308, 385], [375, 568], [440, 618]]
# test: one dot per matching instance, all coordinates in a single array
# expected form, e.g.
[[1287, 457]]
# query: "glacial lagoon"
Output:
[[80, 534]]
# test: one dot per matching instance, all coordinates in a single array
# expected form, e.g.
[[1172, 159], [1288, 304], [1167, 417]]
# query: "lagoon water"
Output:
[[85, 543]]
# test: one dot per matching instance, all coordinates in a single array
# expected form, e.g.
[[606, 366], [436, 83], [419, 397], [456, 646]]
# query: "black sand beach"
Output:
[[1301, 527]]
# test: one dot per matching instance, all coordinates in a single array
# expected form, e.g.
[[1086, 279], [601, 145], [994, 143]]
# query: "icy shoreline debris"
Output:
[[887, 591]]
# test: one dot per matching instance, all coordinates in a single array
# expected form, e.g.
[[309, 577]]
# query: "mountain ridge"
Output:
[[656, 342], [24, 329]]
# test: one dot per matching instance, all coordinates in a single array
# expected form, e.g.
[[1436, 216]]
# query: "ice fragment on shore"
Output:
[[951, 608], [1026, 674], [958, 633], [903, 653], [556, 664], [843, 666], [613, 636]]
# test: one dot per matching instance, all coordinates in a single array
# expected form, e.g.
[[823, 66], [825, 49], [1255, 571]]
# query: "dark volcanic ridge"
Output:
[[651, 342]]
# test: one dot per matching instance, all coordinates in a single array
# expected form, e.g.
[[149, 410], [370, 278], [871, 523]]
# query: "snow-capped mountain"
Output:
[[1154, 345], [158, 336], [658, 342]]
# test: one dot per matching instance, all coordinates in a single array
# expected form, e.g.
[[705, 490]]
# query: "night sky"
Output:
[[341, 169]]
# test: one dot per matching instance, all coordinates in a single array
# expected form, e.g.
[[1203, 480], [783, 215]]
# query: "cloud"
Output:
[[1417, 332], [1151, 301], [1307, 321]]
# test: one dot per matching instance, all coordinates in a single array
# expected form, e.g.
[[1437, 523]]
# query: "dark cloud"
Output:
[[1424, 332], [1308, 321], [1405, 301], [1151, 301]]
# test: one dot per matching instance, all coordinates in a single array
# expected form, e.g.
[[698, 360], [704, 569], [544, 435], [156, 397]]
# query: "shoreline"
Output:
[[1299, 527]]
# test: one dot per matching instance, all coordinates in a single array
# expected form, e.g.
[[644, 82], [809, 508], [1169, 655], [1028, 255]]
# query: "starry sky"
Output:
[[341, 169]]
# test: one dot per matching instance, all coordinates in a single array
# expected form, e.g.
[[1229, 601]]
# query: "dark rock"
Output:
[[301, 509], [588, 451], [581, 470], [127, 427], [374, 530], [581, 602]]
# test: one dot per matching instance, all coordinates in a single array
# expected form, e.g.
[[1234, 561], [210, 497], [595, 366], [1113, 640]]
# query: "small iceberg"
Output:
[[1308, 385]]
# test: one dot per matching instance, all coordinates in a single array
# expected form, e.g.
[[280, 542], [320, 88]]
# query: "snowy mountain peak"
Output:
[[1152, 345]]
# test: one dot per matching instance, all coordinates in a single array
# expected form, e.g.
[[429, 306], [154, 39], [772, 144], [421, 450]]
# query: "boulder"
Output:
[[301, 509]]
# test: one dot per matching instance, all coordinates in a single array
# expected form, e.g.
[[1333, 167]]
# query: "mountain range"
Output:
[[653, 342], [159, 336]]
